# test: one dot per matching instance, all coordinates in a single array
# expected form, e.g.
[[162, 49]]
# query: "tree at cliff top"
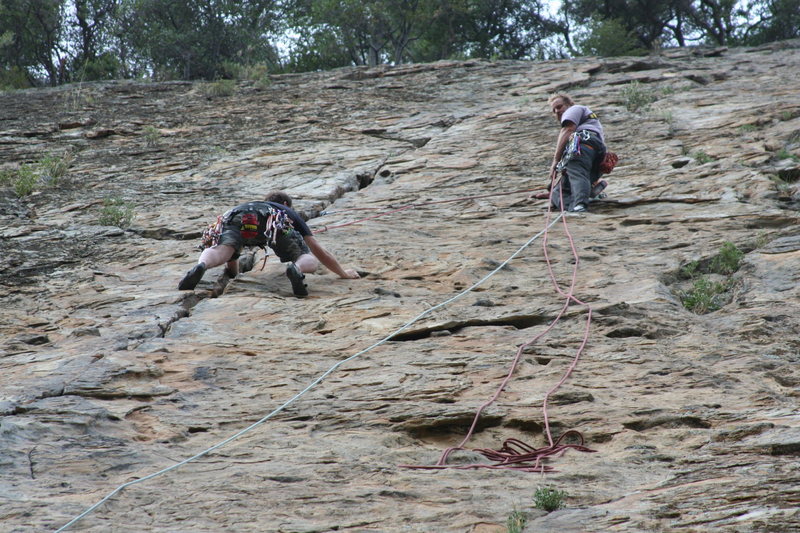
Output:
[[650, 24], [198, 40], [33, 34], [59, 41], [369, 32]]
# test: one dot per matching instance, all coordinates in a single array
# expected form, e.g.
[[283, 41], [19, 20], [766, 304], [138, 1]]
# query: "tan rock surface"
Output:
[[109, 374]]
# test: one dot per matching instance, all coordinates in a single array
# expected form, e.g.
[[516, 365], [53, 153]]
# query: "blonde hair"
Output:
[[564, 98]]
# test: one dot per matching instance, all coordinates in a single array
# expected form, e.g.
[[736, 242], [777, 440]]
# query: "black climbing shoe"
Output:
[[296, 277], [192, 278], [597, 189], [247, 262]]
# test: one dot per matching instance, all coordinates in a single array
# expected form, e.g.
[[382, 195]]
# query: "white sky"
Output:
[[553, 6]]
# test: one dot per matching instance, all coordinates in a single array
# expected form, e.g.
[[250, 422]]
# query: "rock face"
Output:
[[109, 374]]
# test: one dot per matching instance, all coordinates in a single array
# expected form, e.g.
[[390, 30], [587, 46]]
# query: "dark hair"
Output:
[[279, 197]]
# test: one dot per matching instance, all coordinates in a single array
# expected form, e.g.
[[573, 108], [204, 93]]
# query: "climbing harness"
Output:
[[277, 221], [573, 148]]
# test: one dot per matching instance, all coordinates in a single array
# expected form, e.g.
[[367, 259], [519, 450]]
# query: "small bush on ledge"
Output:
[[548, 499], [706, 294]]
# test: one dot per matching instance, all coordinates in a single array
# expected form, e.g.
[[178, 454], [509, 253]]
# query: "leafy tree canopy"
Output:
[[59, 41]]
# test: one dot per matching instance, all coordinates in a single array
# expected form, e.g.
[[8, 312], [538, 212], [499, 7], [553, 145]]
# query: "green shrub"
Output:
[[516, 522], [7, 177], [637, 97], [52, 168], [783, 153], [264, 83], [151, 136], [728, 259], [219, 88], [47, 172], [702, 157], [25, 181], [116, 212], [747, 128], [548, 499], [105, 67], [701, 298], [689, 270]]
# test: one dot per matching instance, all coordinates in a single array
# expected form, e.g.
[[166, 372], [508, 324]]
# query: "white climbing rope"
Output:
[[310, 386]]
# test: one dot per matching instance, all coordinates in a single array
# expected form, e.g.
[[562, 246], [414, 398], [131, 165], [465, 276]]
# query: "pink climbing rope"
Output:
[[515, 454]]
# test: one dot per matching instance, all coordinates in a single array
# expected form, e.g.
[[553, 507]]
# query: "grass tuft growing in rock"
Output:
[[689, 270], [52, 168], [783, 153], [29, 177], [219, 88], [702, 157], [728, 260], [637, 97], [116, 212], [548, 499], [702, 297], [516, 521], [25, 181], [77, 98], [707, 295], [151, 136]]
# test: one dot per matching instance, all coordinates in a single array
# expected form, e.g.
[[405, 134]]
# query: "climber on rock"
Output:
[[270, 223], [580, 149]]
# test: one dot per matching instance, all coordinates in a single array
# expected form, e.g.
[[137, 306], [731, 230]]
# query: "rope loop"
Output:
[[515, 454]]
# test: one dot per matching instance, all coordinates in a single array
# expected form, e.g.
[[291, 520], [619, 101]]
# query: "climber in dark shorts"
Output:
[[270, 223]]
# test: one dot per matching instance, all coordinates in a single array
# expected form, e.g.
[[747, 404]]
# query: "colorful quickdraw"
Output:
[[277, 221], [211, 234], [573, 148]]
